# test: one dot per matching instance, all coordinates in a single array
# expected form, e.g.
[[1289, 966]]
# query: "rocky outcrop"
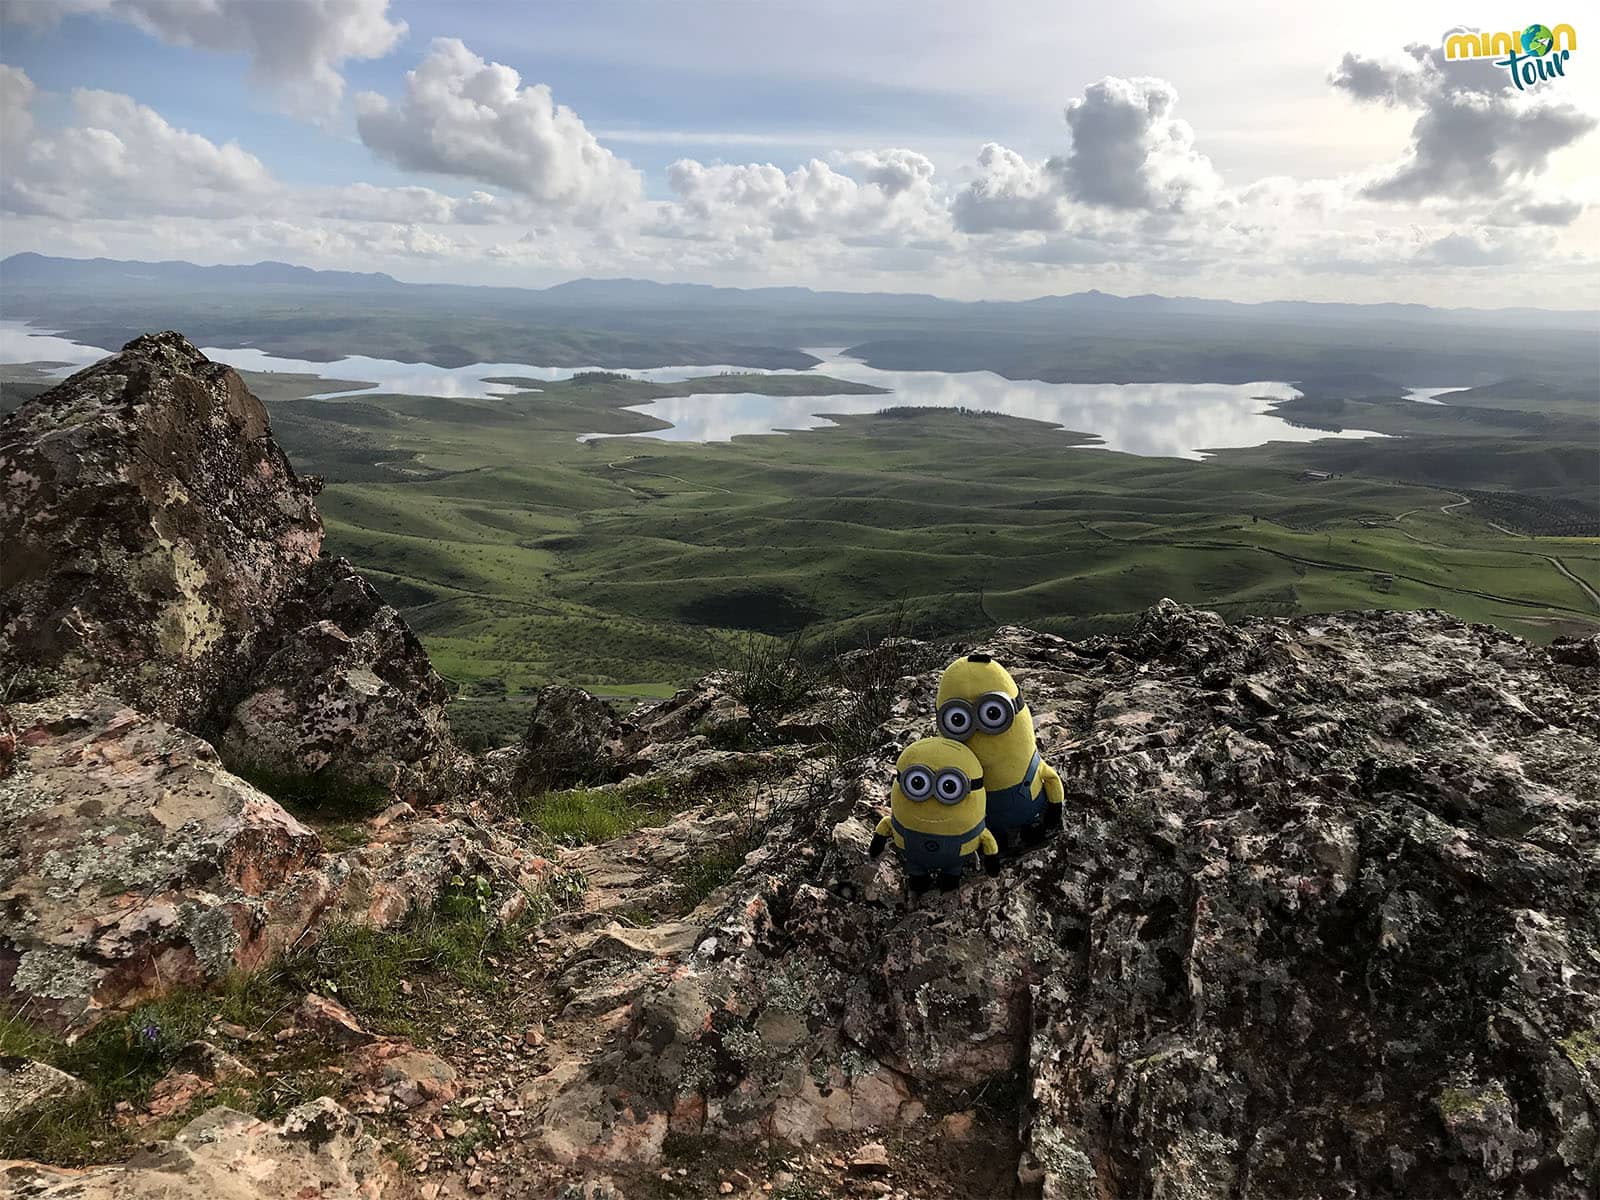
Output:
[[163, 595], [570, 740], [132, 861], [155, 543], [1322, 921], [150, 527], [29, 1088], [317, 1150], [345, 687]]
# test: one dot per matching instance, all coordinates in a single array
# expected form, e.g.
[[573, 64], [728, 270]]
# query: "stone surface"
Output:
[[344, 687], [27, 1086], [331, 1020], [406, 1076], [1321, 921], [319, 1150], [570, 740], [132, 861], [158, 545], [150, 527]]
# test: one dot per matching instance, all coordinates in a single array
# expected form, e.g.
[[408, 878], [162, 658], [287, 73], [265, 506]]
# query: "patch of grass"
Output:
[[363, 967], [587, 816], [479, 1132], [26, 684], [119, 1060], [343, 836], [318, 797]]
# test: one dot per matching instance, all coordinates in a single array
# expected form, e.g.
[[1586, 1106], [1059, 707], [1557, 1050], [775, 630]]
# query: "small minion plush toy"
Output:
[[936, 815], [981, 706]]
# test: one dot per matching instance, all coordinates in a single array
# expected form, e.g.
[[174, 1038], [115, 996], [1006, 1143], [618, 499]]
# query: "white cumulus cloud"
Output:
[[1129, 152], [1010, 193], [466, 117], [297, 48], [893, 199], [121, 159]]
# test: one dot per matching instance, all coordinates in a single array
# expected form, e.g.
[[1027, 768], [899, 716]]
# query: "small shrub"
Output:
[[870, 680], [364, 967], [770, 676]]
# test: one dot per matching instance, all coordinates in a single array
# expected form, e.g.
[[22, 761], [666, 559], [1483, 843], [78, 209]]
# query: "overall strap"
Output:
[[907, 834], [1033, 770]]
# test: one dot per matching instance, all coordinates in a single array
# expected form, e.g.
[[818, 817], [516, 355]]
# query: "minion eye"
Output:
[[916, 782], [995, 712], [955, 720], [951, 787]]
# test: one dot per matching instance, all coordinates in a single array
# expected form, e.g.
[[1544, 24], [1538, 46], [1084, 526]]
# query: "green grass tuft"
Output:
[[587, 816]]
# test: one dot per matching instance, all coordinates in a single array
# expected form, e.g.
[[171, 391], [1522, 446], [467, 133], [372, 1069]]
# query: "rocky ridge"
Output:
[[163, 600], [158, 545], [1321, 920]]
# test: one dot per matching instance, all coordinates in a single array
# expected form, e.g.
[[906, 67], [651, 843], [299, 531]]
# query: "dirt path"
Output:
[[514, 1129], [1581, 582], [1444, 508], [705, 487]]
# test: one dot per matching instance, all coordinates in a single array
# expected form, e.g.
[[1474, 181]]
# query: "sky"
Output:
[[972, 150]]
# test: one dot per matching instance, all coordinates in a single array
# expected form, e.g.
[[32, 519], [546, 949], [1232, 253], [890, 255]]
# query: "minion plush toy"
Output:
[[936, 815], [981, 706]]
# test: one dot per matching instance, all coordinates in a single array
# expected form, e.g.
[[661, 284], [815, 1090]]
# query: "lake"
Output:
[[1176, 420]]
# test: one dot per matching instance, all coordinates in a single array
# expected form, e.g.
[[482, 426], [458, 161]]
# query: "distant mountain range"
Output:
[[37, 270], [1085, 337]]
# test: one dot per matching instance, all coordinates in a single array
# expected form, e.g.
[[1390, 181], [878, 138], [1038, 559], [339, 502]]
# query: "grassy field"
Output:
[[523, 556]]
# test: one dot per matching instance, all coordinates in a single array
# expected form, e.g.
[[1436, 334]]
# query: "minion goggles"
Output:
[[992, 713], [947, 786]]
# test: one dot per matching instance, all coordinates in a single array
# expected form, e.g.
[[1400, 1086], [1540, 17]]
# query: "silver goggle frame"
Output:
[[919, 783], [959, 719]]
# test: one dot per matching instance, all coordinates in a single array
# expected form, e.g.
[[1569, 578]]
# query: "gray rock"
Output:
[[318, 1150], [570, 740], [159, 546], [150, 527], [132, 861], [28, 1087]]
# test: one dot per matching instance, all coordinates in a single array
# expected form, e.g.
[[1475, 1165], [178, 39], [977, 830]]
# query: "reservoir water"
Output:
[[1181, 420]]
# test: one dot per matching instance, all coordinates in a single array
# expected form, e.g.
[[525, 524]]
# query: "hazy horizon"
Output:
[[780, 285]]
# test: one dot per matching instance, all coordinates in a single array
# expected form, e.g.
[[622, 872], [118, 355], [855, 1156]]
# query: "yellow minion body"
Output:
[[937, 810], [980, 705]]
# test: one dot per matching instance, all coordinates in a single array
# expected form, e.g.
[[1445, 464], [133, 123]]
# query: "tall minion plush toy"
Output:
[[936, 815], [981, 706]]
